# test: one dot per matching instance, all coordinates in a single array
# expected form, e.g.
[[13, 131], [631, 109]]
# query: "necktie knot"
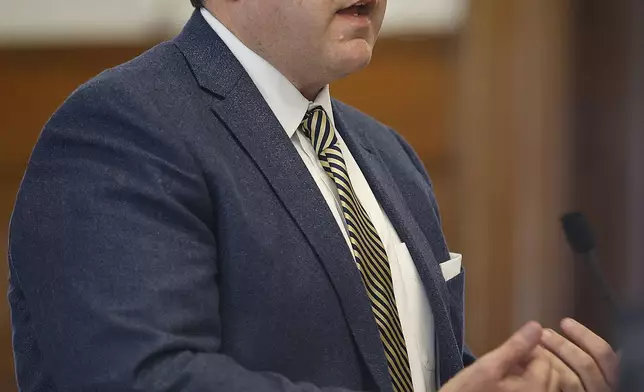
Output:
[[317, 126]]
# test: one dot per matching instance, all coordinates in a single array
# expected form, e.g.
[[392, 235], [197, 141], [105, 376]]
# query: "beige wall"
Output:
[[73, 22]]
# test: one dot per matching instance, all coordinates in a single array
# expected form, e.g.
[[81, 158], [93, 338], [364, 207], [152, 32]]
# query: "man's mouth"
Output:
[[359, 8]]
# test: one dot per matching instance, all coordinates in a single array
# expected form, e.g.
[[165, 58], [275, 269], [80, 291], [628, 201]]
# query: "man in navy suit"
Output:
[[206, 218]]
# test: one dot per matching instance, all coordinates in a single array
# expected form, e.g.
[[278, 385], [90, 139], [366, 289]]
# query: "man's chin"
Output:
[[356, 57]]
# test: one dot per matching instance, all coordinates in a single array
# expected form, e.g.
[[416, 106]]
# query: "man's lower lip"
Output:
[[355, 17]]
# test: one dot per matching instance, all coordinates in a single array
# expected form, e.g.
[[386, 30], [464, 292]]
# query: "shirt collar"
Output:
[[284, 99]]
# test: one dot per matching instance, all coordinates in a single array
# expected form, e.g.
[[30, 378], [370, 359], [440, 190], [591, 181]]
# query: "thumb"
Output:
[[516, 349]]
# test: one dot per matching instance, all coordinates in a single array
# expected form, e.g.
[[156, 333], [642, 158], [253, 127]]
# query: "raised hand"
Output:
[[584, 361], [513, 367]]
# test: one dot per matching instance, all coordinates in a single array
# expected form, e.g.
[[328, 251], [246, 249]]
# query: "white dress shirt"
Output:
[[290, 106]]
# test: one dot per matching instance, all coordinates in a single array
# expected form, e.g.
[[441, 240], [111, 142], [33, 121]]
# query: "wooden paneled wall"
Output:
[[407, 86], [609, 131], [512, 149]]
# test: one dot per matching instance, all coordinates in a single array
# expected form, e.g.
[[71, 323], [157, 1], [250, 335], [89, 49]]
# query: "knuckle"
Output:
[[606, 354], [487, 370], [542, 370], [492, 373], [588, 364], [559, 343]]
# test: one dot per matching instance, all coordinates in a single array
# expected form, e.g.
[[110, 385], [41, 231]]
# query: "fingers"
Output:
[[578, 360], [537, 377], [567, 379], [540, 374], [594, 345], [515, 349], [489, 372]]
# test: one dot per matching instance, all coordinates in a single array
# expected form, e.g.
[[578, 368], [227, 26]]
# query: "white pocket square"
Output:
[[452, 267]]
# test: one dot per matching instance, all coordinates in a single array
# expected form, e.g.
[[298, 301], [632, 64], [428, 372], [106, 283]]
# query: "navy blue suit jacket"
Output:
[[168, 237]]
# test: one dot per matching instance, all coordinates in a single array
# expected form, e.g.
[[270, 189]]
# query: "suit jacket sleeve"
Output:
[[468, 356], [113, 248]]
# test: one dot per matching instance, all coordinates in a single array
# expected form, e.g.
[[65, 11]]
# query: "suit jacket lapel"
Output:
[[392, 202], [251, 121]]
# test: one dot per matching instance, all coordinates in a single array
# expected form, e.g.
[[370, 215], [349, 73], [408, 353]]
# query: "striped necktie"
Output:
[[367, 248]]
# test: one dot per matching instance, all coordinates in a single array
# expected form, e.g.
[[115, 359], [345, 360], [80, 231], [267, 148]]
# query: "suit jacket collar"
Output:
[[213, 64]]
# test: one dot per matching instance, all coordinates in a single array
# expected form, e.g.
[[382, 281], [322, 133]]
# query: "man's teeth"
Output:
[[358, 9]]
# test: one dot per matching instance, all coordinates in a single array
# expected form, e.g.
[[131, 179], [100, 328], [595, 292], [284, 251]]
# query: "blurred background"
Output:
[[520, 110]]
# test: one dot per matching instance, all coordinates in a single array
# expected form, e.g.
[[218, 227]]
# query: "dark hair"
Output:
[[197, 3]]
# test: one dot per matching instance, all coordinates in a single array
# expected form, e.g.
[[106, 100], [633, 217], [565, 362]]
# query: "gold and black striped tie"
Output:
[[367, 247]]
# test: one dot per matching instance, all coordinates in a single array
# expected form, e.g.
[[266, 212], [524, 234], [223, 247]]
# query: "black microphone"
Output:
[[582, 241]]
